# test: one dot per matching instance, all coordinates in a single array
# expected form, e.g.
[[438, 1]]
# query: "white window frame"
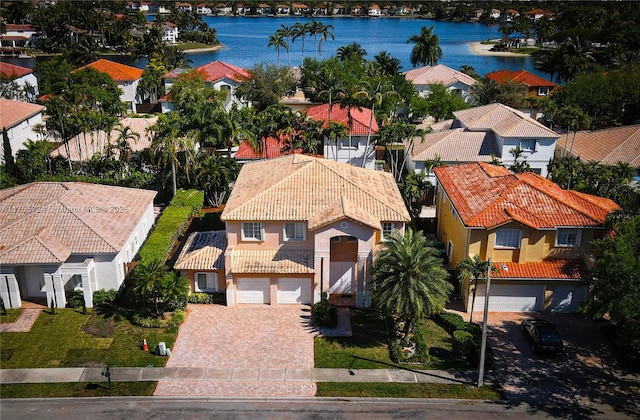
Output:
[[387, 229], [543, 91], [299, 231], [565, 242], [210, 278], [257, 231], [345, 145], [511, 239], [525, 147]]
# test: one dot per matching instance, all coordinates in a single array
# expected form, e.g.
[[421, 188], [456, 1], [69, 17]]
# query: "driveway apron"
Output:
[[244, 338]]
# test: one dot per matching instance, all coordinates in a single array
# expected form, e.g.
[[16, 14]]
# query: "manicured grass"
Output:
[[368, 347], [404, 390], [11, 316], [60, 341], [77, 389]]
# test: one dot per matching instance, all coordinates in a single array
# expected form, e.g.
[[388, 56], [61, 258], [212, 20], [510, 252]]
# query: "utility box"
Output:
[[161, 349]]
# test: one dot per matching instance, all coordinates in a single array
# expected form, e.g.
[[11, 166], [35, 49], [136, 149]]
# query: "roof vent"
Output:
[[504, 267]]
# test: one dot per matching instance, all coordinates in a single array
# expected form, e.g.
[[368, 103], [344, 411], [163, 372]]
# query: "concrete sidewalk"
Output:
[[14, 376]]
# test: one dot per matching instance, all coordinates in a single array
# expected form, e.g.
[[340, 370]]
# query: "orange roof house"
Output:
[[126, 77], [19, 118], [536, 85], [537, 234]]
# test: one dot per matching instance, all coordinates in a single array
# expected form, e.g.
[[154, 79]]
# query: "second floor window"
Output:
[[568, 238], [529, 145], [508, 238], [294, 231], [206, 282], [253, 231], [349, 143], [387, 229]]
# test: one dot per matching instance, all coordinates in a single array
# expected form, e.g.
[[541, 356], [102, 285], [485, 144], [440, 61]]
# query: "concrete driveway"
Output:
[[248, 337], [570, 386]]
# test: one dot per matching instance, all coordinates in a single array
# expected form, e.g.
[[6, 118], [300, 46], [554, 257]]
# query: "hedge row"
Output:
[[467, 337], [219, 298]]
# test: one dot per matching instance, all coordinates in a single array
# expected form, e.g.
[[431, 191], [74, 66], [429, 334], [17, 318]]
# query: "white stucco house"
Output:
[[454, 81], [126, 77], [57, 237], [23, 78], [18, 118]]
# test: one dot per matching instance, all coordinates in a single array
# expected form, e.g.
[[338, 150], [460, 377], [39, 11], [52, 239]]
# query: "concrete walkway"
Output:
[[23, 323], [16, 376]]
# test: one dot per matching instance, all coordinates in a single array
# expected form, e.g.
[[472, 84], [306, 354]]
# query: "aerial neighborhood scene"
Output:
[[319, 202]]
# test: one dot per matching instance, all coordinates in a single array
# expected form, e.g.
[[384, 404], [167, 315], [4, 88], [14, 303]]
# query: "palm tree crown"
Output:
[[427, 50]]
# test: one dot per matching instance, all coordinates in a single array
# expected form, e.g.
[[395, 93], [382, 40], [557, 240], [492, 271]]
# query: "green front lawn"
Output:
[[11, 316], [71, 339], [368, 347], [406, 390]]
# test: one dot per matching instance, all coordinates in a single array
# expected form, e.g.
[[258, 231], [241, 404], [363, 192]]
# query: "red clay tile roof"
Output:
[[609, 146], [488, 196], [14, 112], [118, 72], [215, 71], [552, 269], [521, 77], [10, 71], [271, 149], [360, 118]]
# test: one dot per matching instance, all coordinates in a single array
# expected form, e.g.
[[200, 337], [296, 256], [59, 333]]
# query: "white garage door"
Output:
[[511, 298], [294, 291], [252, 290], [568, 298]]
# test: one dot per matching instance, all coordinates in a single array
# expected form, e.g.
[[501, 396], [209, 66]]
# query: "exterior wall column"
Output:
[[58, 288], [10, 291], [86, 290], [229, 290], [362, 280], [48, 288]]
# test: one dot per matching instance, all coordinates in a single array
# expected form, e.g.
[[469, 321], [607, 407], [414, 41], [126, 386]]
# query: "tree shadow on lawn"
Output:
[[567, 386]]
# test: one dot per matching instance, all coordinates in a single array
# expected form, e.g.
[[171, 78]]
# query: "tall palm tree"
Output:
[[375, 94], [353, 50], [427, 50], [286, 34], [277, 41], [386, 64], [409, 279], [215, 174], [475, 269], [126, 137], [325, 32], [299, 30]]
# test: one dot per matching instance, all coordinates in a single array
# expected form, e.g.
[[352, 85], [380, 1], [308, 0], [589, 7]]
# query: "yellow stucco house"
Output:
[[537, 234]]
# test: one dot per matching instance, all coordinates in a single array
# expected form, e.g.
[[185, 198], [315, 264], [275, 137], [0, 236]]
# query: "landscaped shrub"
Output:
[[324, 314], [102, 297], [143, 319], [453, 323], [407, 350], [75, 299], [219, 298], [463, 345]]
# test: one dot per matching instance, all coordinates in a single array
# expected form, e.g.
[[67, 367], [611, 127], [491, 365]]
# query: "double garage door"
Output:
[[529, 298], [289, 291]]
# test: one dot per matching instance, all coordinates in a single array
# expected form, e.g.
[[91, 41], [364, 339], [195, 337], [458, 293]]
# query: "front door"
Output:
[[343, 260]]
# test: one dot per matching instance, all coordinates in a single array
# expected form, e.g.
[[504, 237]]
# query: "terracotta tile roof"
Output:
[[118, 72], [203, 251], [439, 74], [215, 71], [14, 112], [456, 145], [10, 71], [67, 217], [503, 120], [360, 118], [96, 141], [272, 261], [272, 148], [303, 188], [609, 146], [521, 77], [487, 196], [552, 269]]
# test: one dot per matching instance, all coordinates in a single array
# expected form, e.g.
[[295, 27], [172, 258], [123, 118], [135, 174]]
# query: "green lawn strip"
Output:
[[11, 316], [77, 389], [59, 341], [405, 390], [368, 347]]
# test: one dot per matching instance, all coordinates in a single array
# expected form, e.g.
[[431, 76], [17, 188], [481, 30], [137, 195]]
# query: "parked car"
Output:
[[543, 336]]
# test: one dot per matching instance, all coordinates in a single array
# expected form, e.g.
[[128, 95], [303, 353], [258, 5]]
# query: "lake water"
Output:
[[245, 42]]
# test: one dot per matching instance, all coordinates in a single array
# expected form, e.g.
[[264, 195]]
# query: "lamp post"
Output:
[[483, 345]]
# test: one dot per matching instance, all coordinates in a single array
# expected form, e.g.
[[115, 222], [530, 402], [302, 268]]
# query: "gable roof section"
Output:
[[503, 120], [67, 217], [215, 71], [273, 261], [11, 71], [487, 196], [552, 269], [522, 77], [203, 251], [610, 146], [118, 72], [361, 117], [304, 188], [13, 113], [438, 74], [456, 145]]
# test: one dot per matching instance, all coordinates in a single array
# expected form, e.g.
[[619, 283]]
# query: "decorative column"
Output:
[[86, 290], [48, 288], [58, 287], [230, 291], [9, 291]]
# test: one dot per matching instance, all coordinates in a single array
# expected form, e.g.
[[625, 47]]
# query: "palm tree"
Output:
[[149, 276], [325, 32], [386, 64], [286, 33], [409, 279], [334, 131], [214, 175], [299, 30], [351, 51], [126, 136], [175, 290], [376, 95], [475, 269], [427, 50], [277, 41]]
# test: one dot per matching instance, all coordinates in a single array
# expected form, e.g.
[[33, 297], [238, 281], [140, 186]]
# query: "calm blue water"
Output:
[[245, 42]]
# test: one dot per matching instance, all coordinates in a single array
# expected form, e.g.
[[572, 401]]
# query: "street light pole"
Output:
[[483, 345]]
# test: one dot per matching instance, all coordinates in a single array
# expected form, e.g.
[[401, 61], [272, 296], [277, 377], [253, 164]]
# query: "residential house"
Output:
[[300, 9], [223, 9], [477, 133], [201, 260], [203, 9], [217, 74], [609, 146], [537, 14], [263, 9], [311, 226], [243, 9], [18, 36], [423, 78], [352, 148], [58, 237], [283, 9], [536, 234], [537, 87], [298, 101], [184, 7], [126, 77], [169, 32], [23, 78], [339, 10], [19, 119], [374, 11]]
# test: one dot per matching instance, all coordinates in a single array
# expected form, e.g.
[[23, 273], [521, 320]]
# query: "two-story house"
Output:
[[537, 235], [536, 86], [297, 226], [126, 77], [23, 78], [454, 81], [18, 119]]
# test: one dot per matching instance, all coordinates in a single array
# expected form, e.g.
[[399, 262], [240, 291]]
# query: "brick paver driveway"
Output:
[[569, 386], [247, 337]]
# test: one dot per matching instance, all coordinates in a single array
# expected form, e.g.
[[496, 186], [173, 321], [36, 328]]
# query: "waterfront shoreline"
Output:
[[478, 48]]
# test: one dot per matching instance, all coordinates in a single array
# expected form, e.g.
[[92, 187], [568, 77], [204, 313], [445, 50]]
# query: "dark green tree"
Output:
[[426, 50], [268, 83]]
